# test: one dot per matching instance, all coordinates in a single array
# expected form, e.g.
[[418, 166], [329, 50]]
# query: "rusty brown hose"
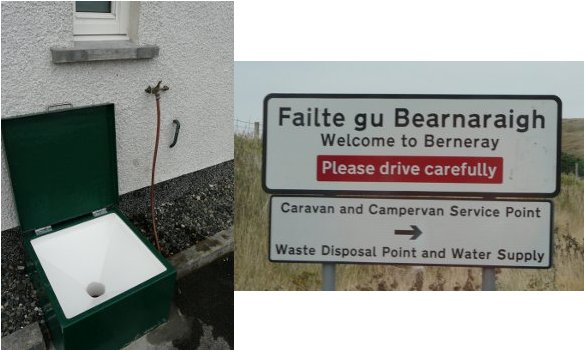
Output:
[[156, 92], [152, 186]]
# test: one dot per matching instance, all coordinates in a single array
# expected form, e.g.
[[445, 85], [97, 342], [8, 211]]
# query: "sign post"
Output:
[[488, 279], [328, 276]]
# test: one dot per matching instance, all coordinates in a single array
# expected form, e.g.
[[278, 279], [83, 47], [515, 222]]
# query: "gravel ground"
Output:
[[182, 222], [210, 211], [19, 300]]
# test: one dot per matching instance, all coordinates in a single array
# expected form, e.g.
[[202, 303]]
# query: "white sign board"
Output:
[[411, 231], [412, 144]]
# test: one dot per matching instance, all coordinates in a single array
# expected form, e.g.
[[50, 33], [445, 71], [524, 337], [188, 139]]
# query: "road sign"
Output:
[[412, 144], [411, 231]]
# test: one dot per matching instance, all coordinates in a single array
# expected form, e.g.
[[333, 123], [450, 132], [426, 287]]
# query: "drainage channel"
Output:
[[95, 289]]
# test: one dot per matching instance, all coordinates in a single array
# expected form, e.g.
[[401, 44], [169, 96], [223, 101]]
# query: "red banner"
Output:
[[431, 169]]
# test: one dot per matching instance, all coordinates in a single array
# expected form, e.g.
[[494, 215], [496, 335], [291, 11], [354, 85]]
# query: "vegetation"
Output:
[[572, 140], [568, 162], [572, 146]]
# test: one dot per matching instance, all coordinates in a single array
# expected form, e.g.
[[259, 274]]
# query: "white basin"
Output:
[[94, 261]]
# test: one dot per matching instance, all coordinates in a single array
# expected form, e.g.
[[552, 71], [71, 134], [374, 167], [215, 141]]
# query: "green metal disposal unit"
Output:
[[100, 282]]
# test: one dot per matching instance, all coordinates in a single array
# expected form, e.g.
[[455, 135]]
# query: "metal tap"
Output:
[[157, 89]]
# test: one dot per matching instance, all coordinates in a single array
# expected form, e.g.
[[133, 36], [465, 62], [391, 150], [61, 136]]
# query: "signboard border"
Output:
[[414, 96], [551, 227]]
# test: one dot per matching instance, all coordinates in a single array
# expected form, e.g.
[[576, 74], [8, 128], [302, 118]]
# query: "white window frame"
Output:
[[103, 26]]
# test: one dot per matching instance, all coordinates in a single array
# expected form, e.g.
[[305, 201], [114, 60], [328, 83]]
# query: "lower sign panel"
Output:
[[411, 231]]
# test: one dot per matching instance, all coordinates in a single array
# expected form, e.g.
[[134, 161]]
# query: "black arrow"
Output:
[[415, 232]]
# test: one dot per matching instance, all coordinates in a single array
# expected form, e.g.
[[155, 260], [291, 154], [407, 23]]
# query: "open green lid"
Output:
[[62, 163]]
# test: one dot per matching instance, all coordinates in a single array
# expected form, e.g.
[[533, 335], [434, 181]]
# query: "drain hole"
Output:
[[95, 289]]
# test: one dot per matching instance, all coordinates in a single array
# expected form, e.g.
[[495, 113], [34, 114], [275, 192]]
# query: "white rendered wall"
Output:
[[195, 61]]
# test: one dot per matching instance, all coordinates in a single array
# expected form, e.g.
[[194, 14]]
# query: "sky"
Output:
[[254, 80]]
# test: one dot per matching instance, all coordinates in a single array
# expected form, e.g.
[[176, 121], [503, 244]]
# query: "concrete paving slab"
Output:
[[161, 338], [27, 338], [204, 252]]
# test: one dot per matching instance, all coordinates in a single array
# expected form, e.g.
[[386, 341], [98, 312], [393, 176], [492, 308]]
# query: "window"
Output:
[[104, 31], [101, 20]]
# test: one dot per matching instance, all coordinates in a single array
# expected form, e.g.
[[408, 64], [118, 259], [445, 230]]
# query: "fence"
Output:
[[247, 128]]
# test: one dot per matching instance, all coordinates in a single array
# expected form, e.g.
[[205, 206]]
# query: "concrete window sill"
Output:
[[85, 51]]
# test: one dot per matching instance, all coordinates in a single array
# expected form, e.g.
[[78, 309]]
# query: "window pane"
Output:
[[93, 6]]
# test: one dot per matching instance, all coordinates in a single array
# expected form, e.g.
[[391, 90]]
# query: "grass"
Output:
[[253, 271], [572, 140]]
